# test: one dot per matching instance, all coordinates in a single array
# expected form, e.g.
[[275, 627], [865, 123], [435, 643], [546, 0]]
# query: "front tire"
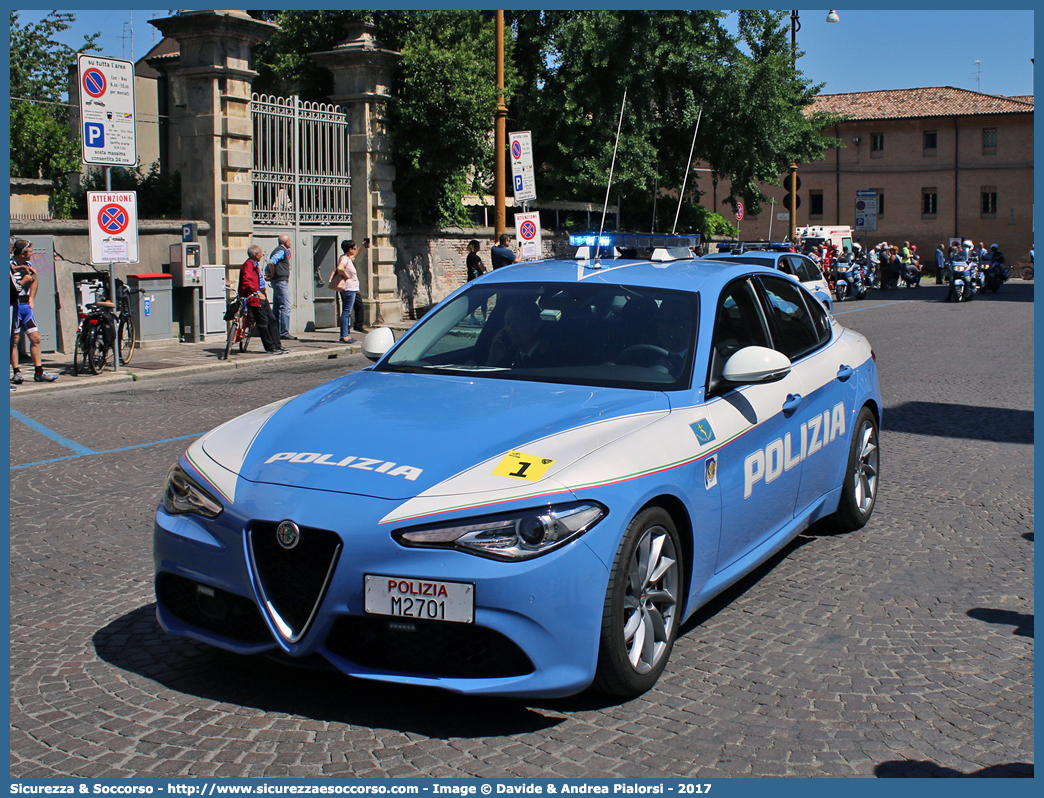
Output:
[[859, 492], [231, 338], [642, 608]]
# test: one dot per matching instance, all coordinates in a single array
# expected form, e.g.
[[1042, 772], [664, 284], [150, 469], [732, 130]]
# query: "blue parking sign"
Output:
[[93, 134]]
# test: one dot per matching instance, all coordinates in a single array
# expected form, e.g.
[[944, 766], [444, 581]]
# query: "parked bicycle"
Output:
[[95, 338], [240, 325], [126, 332]]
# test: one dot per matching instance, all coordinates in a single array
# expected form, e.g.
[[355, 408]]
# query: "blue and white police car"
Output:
[[531, 490]]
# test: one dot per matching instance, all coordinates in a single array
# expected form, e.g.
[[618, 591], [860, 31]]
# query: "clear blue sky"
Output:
[[866, 50]]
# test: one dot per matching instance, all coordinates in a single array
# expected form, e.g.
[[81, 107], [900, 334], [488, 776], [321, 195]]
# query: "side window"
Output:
[[801, 269], [796, 332], [813, 270], [739, 322]]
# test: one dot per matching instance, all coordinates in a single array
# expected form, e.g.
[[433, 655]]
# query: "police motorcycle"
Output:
[[863, 268], [962, 270], [978, 275], [995, 275], [848, 281]]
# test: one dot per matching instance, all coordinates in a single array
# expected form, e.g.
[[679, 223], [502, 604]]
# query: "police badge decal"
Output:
[[710, 471]]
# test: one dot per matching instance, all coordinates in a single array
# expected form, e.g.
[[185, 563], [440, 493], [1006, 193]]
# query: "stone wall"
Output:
[[31, 198], [431, 263], [72, 253]]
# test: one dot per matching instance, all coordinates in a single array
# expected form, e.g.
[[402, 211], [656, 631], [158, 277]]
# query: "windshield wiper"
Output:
[[466, 367]]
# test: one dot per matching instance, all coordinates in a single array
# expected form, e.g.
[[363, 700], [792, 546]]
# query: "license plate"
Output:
[[422, 599]]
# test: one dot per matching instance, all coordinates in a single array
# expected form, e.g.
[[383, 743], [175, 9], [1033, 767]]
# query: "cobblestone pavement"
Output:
[[903, 649]]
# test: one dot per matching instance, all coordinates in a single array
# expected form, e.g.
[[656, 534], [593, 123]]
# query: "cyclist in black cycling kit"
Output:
[[23, 277]]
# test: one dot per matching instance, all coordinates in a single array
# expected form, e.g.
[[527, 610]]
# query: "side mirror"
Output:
[[754, 364], [377, 343]]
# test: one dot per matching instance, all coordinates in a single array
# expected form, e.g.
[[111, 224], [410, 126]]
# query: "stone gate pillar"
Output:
[[362, 72], [211, 111]]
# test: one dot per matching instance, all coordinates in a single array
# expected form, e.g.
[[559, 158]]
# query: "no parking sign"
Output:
[[527, 231], [112, 218]]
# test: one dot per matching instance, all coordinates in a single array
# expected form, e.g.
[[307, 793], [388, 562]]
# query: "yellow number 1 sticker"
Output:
[[522, 466]]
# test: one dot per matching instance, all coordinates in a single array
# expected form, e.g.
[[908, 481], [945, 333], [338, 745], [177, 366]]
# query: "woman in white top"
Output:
[[348, 285]]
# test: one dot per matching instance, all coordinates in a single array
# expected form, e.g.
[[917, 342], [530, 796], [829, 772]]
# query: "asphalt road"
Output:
[[903, 649]]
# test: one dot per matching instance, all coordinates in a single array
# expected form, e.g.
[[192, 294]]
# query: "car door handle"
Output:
[[845, 372], [793, 402]]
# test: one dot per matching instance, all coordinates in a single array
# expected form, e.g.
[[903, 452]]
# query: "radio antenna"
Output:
[[688, 166], [605, 206]]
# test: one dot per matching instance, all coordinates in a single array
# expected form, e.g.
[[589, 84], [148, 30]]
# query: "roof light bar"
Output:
[[610, 245]]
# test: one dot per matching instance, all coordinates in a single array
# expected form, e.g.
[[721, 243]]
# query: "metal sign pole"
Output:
[[112, 280]]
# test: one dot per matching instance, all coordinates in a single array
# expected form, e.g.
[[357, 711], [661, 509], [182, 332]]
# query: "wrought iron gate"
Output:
[[301, 166]]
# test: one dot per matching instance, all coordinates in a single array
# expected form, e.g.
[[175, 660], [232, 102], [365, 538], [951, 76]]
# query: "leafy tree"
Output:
[[444, 96], [672, 64], [42, 144], [159, 193], [566, 72]]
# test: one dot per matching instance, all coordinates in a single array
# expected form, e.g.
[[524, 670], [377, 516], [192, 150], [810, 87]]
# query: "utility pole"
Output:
[[499, 136], [791, 201]]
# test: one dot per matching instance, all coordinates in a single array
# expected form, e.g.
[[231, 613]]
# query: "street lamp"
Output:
[[499, 136], [795, 26]]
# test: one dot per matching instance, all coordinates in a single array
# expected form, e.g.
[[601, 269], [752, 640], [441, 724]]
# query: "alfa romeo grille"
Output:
[[292, 581]]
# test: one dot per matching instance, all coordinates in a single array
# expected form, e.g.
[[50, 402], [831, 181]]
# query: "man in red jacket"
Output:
[[250, 289]]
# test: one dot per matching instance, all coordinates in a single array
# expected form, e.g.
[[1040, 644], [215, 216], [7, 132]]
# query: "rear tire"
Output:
[[1027, 272], [125, 340], [643, 606], [859, 492], [79, 355], [97, 352], [248, 329]]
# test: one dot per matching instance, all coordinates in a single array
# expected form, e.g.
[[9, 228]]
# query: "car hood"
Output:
[[396, 436]]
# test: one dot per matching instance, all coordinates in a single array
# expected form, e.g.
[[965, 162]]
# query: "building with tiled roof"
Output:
[[918, 104], [944, 162]]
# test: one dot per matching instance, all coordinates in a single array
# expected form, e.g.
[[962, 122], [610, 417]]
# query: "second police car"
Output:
[[530, 491], [800, 267]]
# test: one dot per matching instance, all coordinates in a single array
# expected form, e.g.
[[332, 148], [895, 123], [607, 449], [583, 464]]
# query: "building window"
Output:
[[989, 200], [989, 138], [929, 202], [815, 203], [877, 142], [880, 202], [931, 141]]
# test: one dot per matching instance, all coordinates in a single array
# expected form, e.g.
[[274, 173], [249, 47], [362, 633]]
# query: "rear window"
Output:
[[753, 260]]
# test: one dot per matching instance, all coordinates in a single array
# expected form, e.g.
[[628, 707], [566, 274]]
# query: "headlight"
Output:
[[518, 536], [183, 495]]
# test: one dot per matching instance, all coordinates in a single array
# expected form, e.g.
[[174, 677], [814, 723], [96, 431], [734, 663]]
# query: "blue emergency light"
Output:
[[631, 245]]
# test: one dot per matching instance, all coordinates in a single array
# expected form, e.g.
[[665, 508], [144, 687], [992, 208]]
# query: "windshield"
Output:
[[578, 334]]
